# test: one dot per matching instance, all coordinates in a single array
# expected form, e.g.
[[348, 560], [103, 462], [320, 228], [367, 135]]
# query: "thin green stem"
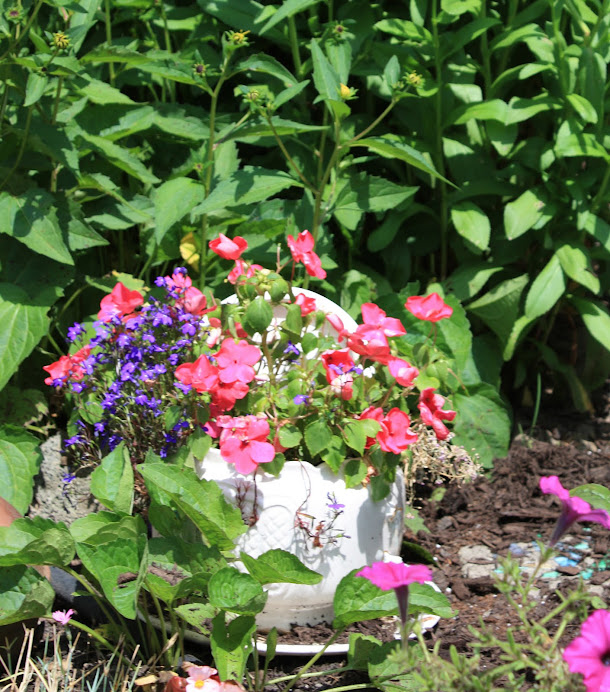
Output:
[[374, 124], [60, 83], [108, 23], [334, 158], [294, 47], [312, 660], [287, 156], [485, 56], [599, 197], [316, 674], [3, 106], [25, 31], [103, 641]]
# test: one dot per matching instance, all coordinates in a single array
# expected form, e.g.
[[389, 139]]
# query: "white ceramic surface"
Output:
[[301, 494]]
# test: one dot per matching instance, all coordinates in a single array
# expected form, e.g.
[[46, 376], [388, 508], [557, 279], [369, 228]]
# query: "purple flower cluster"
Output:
[[129, 377]]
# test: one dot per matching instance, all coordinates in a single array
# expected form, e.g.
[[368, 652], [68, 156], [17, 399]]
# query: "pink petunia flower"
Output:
[[572, 509], [395, 435], [63, 616], [430, 406], [243, 442], [397, 576], [589, 654], [431, 308], [227, 248], [301, 249], [121, 302], [306, 303]]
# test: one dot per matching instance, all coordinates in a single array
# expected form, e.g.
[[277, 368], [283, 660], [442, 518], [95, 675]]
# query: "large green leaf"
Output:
[[232, 645], [237, 592], [24, 594], [325, 78], [120, 157], [287, 9], [112, 481], [20, 459], [279, 566], [247, 186], [482, 425], [499, 307], [546, 290], [32, 219], [356, 599], [202, 501], [575, 262], [523, 213], [269, 65], [596, 319], [471, 223], [36, 541], [23, 325], [174, 199]]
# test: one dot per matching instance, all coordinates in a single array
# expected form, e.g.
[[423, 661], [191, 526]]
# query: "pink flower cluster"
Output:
[[121, 302], [67, 367]]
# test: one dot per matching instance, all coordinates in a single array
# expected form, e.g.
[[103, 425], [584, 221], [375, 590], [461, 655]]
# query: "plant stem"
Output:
[[60, 83], [374, 124], [287, 156], [312, 660], [26, 133], [317, 674], [109, 38], [294, 47], [26, 28], [104, 642]]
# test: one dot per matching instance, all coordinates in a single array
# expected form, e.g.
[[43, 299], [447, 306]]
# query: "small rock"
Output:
[[444, 523]]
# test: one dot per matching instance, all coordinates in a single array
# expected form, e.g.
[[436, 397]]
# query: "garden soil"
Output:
[[470, 528]]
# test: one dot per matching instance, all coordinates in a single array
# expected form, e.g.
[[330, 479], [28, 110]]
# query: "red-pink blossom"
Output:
[[404, 373], [68, 367], [202, 375], [395, 435], [431, 308], [589, 653], [392, 575], [227, 248], [194, 301], [339, 366], [225, 394], [337, 324], [374, 316], [121, 302], [242, 269], [372, 413], [306, 303], [301, 249], [235, 360], [370, 342], [243, 442], [432, 413], [573, 508]]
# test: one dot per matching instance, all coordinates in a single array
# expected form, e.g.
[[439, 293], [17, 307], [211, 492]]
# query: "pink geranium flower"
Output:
[[572, 508], [301, 249], [306, 303], [370, 342], [225, 394], [431, 308], [589, 654], [63, 616], [374, 316], [243, 442], [121, 302], [235, 360], [432, 413], [404, 373], [68, 367], [227, 248]]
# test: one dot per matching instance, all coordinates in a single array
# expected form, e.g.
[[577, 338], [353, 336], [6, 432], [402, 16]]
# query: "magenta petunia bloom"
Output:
[[432, 413], [301, 249], [431, 308], [62, 616], [236, 360], [589, 654], [392, 575], [244, 442], [572, 509], [374, 316]]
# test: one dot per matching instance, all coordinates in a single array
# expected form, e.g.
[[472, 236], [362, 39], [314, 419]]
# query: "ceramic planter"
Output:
[[285, 513]]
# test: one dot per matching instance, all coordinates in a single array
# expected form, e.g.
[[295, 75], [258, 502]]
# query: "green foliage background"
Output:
[[451, 145]]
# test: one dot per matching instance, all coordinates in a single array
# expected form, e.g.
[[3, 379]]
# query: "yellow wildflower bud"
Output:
[[344, 91], [60, 40]]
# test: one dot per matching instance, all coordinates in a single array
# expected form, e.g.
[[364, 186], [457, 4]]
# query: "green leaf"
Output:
[[584, 109], [391, 148], [325, 79], [583, 144], [35, 87], [258, 316], [287, 9], [246, 186], [499, 307], [278, 566], [523, 213], [103, 93], [202, 501], [32, 219], [468, 279], [598, 496], [289, 436], [85, 527], [598, 228], [174, 199], [354, 435], [114, 54], [391, 72], [24, 594], [195, 615], [268, 65], [482, 424], [36, 541], [317, 437], [596, 319], [424, 598], [356, 599], [546, 290], [232, 645], [472, 223], [492, 109], [237, 592], [20, 459], [120, 157], [576, 264], [112, 481], [116, 555]]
